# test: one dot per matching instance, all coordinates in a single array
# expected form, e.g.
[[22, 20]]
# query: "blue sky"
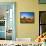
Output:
[[27, 14]]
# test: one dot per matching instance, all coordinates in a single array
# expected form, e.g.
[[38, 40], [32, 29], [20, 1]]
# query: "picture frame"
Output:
[[42, 1], [26, 17]]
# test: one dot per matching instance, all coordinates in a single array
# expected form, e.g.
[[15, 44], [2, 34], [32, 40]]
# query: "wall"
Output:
[[26, 30]]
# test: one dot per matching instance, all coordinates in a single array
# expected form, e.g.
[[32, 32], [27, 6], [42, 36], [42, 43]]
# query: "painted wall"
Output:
[[27, 30]]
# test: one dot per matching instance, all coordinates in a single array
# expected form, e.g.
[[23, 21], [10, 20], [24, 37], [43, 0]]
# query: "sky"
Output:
[[27, 14]]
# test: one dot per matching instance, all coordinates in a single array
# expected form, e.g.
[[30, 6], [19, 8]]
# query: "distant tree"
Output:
[[24, 17]]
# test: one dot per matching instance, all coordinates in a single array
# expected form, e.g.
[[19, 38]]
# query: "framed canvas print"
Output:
[[7, 20], [42, 1], [42, 22], [26, 17]]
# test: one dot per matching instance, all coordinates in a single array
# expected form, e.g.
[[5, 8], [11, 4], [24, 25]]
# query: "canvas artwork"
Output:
[[26, 17]]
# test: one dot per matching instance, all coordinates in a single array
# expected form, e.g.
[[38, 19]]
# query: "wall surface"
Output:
[[27, 30]]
